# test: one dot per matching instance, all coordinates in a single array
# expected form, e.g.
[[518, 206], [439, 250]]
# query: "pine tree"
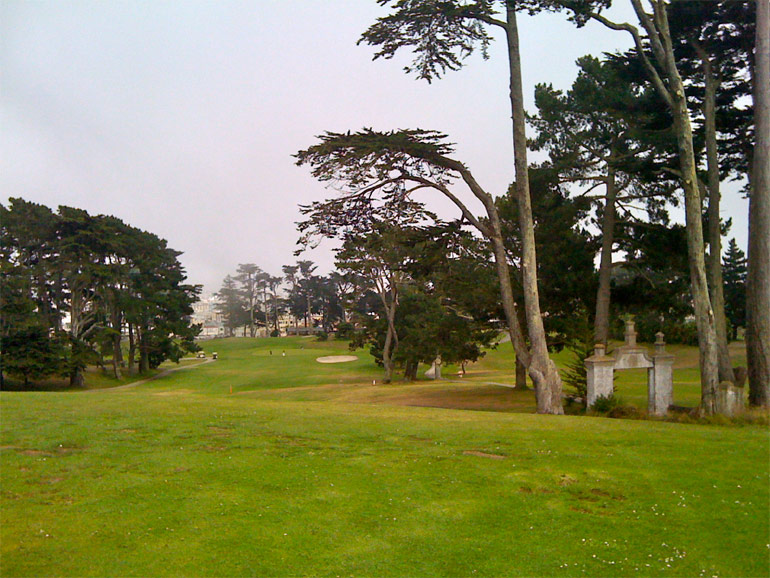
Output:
[[734, 275]]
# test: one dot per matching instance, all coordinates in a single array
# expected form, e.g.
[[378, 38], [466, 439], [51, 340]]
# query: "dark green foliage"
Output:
[[734, 270], [434, 278], [605, 404], [344, 331], [30, 354], [676, 329], [104, 275], [723, 33], [440, 34], [564, 258], [574, 376], [231, 305], [654, 281], [426, 329]]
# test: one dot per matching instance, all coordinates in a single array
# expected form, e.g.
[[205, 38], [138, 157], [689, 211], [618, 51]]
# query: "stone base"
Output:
[[730, 399]]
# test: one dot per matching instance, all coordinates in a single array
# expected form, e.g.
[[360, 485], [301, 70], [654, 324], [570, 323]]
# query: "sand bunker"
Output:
[[336, 358]]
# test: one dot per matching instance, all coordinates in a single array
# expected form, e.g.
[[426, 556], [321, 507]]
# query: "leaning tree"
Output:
[[441, 35], [385, 168]]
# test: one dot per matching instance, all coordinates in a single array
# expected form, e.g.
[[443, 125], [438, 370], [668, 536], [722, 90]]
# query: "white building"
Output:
[[205, 313]]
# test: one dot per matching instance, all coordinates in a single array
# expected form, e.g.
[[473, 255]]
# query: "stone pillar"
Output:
[[599, 369], [631, 355], [730, 399], [630, 334], [660, 379]]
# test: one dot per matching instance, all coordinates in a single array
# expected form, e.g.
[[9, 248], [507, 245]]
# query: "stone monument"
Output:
[[600, 369], [435, 369]]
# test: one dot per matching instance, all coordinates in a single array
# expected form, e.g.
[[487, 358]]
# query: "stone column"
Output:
[[599, 370], [660, 381], [730, 399]]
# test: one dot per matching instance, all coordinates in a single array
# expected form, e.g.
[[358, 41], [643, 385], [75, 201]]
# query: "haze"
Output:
[[181, 117]]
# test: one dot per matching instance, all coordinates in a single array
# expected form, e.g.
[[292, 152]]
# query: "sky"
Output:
[[181, 117]]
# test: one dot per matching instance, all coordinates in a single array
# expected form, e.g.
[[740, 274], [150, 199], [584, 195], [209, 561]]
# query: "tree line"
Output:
[[76, 287], [410, 292], [659, 126], [252, 298]]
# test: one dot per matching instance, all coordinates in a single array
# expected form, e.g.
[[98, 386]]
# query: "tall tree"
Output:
[[247, 276], [378, 257], [81, 255], [734, 268], [758, 279], [291, 277], [566, 254], [595, 135], [231, 306], [655, 49], [381, 171], [712, 42], [442, 34]]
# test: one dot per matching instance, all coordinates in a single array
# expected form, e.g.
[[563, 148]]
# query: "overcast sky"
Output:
[[180, 117]]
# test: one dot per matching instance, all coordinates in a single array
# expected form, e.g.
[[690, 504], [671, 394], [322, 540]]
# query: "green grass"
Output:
[[310, 470]]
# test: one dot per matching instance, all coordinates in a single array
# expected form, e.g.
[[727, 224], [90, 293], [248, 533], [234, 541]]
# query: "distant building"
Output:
[[206, 314]]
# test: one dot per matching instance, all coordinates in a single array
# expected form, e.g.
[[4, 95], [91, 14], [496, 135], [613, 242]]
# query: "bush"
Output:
[[275, 333], [574, 375], [322, 336], [605, 404], [345, 331]]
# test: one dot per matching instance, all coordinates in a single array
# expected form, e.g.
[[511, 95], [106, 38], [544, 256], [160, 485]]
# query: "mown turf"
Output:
[[178, 477]]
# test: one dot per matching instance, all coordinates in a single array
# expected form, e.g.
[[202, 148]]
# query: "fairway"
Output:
[[311, 469]]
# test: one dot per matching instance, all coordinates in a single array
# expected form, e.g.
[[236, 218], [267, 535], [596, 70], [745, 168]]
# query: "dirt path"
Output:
[[163, 373]]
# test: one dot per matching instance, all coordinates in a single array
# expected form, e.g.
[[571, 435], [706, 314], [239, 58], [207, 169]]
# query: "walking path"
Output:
[[163, 373]]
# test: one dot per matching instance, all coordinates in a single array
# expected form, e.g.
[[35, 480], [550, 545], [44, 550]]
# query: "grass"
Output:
[[310, 470]]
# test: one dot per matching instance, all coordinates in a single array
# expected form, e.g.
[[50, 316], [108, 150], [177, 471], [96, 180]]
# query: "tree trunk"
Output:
[[117, 352], [541, 368], [716, 285], [391, 338], [144, 351], [603, 297], [410, 371], [117, 357], [76, 378], [673, 93], [704, 315], [131, 350], [758, 276], [521, 374]]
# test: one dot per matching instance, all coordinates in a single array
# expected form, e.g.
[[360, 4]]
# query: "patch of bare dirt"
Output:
[[482, 398], [483, 455]]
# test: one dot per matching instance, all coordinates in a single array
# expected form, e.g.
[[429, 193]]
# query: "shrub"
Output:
[[322, 336], [275, 333], [574, 375], [647, 325], [345, 331], [604, 404]]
